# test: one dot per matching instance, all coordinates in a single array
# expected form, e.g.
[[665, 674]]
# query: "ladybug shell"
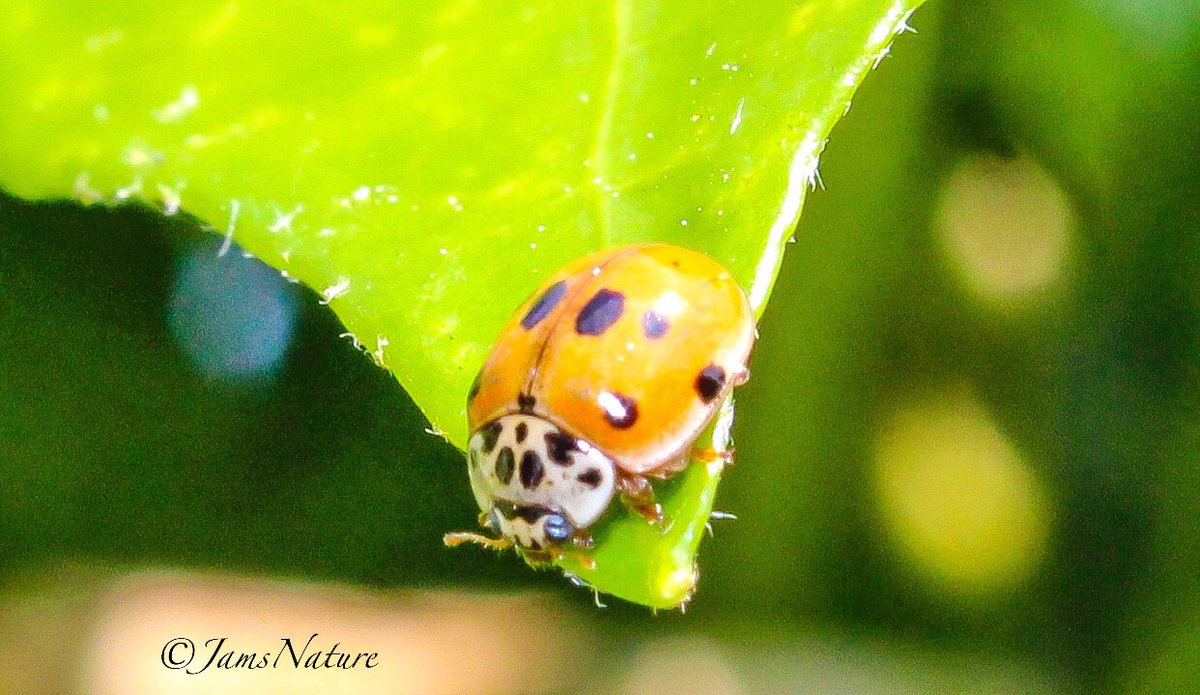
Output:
[[631, 349]]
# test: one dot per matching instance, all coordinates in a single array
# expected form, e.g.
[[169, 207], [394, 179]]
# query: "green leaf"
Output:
[[425, 166]]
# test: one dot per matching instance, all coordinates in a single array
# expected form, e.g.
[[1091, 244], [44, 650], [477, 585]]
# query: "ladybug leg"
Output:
[[457, 538], [580, 543], [707, 454], [739, 377], [583, 539], [638, 495], [582, 558]]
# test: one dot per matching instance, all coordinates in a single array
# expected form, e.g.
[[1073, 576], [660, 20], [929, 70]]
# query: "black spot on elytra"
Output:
[[526, 402], [601, 312], [591, 477], [654, 326], [490, 434], [544, 305], [709, 382], [505, 464], [522, 432], [531, 470], [560, 446], [620, 410], [475, 387]]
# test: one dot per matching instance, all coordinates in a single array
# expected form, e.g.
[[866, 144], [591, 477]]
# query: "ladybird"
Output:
[[600, 382]]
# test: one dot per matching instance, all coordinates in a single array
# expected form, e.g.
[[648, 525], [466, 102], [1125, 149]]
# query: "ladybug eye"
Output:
[[557, 528]]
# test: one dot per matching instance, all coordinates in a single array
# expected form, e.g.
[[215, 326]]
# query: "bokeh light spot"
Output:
[[233, 316], [958, 498], [1006, 225]]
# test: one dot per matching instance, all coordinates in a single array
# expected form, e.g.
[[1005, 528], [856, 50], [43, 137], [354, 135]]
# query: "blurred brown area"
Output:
[[111, 635], [97, 633]]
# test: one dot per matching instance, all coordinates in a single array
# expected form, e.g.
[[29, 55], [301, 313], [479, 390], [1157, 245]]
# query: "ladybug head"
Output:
[[530, 527], [538, 486]]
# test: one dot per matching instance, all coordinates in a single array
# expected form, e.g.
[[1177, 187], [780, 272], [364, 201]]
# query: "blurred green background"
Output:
[[967, 456]]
